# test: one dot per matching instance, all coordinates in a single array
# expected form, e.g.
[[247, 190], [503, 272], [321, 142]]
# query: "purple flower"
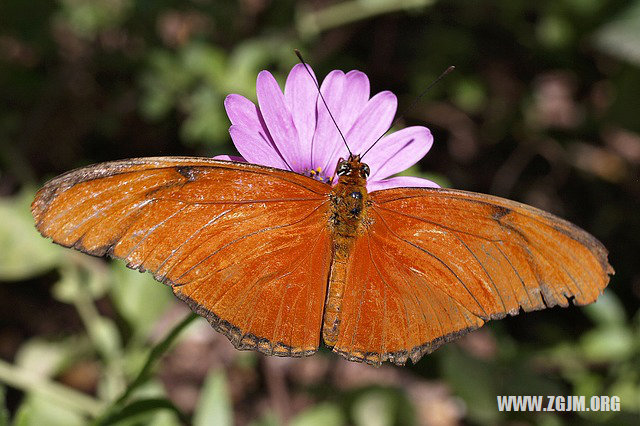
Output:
[[293, 131]]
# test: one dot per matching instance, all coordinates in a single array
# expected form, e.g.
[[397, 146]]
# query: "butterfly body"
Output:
[[278, 261], [349, 218]]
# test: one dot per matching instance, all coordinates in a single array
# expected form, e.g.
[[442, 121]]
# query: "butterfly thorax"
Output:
[[349, 198], [349, 219]]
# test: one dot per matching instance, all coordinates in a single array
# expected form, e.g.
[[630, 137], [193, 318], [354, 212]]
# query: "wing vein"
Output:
[[439, 225], [193, 235], [397, 291], [239, 203], [438, 259], [86, 199], [272, 228], [504, 307], [526, 291], [152, 229], [414, 294]]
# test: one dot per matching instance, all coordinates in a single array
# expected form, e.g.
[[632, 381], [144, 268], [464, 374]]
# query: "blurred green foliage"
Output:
[[543, 108], [22, 256]]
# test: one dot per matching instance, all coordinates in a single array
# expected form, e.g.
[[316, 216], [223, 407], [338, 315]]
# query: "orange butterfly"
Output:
[[277, 260]]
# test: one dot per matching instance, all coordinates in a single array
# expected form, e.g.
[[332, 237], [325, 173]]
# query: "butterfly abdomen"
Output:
[[337, 282]]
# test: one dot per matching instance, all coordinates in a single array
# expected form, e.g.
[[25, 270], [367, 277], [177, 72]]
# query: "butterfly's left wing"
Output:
[[435, 264], [245, 246]]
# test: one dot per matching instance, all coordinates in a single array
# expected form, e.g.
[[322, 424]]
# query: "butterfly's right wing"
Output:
[[435, 264], [245, 246]]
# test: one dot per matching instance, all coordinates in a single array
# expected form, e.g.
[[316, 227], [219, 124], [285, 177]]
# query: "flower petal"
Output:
[[255, 149], [243, 112], [354, 99], [301, 94], [398, 151], [233, 158], [401, 182], [347, 96], [373, 121], [326, 137], [278, 119]]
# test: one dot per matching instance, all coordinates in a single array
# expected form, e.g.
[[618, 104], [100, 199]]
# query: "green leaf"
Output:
[[473, 380], [68, 286], [341, 13], [214, 406], [253, 55], [374, 408], [146, 371], [326, 414], [268, 419], [47, 358], [78, 281], [88, 17], [157, 352], [24, 253], [555, 31], [205, 61], [628, 389], [607, 344], [621, 36], [133, 412], [206, 121], [585, 8], [138, 298], [587, 383], [37, 410], [607, 311], [4, 413], [470, 95], [105, 336], [163, 84]]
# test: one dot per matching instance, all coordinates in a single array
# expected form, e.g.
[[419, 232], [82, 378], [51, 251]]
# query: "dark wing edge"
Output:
[[240, 340], [400, 358]]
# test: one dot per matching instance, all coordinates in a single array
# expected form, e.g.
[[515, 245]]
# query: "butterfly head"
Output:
[[353, 167]]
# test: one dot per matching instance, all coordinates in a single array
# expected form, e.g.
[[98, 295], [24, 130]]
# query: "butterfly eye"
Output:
[[343, 168], [365, 171]]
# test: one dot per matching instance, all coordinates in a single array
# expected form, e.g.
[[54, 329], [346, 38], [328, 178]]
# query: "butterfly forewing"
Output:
[[246, 246]]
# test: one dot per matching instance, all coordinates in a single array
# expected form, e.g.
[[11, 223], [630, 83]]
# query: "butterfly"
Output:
[[276, 260], [302, 249]]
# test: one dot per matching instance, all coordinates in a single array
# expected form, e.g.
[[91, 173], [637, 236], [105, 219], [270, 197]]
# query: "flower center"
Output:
[[318, 175]]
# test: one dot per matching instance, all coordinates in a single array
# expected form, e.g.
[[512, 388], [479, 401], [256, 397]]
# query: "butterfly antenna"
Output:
[[411, 106], [306, 67]]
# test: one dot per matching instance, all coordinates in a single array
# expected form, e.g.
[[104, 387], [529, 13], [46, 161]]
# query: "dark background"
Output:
[[543, 108]]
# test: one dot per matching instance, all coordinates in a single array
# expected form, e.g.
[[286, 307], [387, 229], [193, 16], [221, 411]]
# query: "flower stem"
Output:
[[143, 375]]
